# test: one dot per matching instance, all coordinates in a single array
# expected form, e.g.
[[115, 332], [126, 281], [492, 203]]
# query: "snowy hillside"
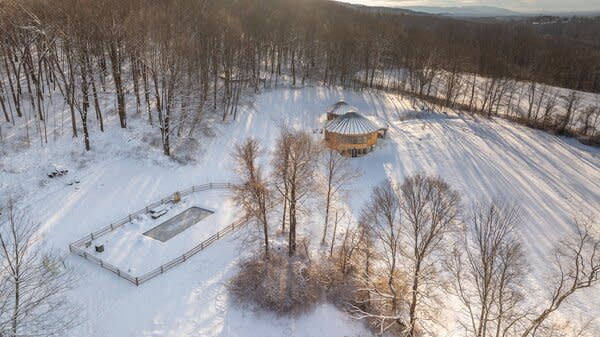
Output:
[[551, 178]]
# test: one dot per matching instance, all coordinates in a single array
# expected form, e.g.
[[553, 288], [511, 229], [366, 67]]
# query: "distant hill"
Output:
[[380, 9], [463, 11], [466, 11]]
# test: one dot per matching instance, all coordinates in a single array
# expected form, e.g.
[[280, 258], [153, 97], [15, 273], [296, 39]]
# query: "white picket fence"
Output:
[[76, 247]]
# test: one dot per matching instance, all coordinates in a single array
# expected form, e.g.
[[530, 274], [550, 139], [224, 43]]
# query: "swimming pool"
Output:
[[177, 224]]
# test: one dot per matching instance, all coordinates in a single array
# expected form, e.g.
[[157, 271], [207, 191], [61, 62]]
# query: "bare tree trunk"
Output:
[[97, 109], [115, 61], [147, 92], [86, 98]]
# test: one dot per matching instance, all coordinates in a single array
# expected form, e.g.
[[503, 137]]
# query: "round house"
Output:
[[350, 133]]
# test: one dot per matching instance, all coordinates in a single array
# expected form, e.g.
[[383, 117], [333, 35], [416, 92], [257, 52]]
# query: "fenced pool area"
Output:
[[165, 235]]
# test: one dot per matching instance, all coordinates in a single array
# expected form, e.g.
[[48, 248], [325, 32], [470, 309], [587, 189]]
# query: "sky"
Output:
[[517, 5]]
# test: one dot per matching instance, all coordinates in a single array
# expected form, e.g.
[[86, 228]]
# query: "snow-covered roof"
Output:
[[341, 108], [351, 123]]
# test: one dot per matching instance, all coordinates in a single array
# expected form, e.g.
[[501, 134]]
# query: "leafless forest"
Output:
[[413, 246], [178, 60]]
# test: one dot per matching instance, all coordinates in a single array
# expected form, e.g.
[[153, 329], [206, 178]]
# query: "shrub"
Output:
[[283, 285]]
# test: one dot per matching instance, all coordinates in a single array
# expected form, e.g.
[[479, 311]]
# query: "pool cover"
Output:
[[177, 224]]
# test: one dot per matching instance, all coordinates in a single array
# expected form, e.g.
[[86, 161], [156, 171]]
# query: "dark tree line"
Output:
[[176, 59]]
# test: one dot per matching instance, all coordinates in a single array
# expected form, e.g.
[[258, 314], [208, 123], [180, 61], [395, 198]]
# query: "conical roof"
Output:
[[341, 108], [351, 123]]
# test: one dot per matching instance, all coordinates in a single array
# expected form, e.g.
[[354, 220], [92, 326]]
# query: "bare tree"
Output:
[[540, 99], [252, 193], [408, 222], [549, 107], [338, 175], [338, 217], [430, 212], [488, 268], [577, 263], [281, 169], [165, 71], [531, 93], [33, 283], [571, 105], [588, 118], [595, 123], [381, 215], [349, 247], [295, 164]]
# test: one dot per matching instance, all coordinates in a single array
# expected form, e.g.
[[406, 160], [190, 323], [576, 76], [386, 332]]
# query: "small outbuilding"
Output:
[[349, 133]]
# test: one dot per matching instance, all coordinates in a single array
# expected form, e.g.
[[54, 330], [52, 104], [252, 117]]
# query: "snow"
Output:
[[484, 86], [351, 123], [129, 248], [551, 178]]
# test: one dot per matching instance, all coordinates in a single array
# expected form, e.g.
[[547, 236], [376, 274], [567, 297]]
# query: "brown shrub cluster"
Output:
[[281, 284]]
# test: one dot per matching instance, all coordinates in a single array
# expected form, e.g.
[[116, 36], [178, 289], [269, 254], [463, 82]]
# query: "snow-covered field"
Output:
[[551, 178], [506, 97]]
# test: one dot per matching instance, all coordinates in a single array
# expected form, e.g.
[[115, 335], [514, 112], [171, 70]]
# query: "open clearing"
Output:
[[551, 178]]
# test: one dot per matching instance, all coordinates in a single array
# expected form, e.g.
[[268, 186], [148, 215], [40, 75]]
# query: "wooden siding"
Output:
[[345, 143]]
